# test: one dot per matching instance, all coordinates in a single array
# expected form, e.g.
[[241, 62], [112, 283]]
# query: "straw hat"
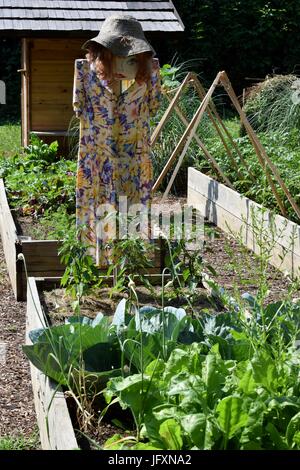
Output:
[[123, 36]]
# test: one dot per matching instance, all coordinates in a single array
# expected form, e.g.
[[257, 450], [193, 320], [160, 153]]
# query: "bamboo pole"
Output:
[[166, 116], [195, 81], [256, 142], [186, 138], [270, 180], [201, 92], [203, 148]]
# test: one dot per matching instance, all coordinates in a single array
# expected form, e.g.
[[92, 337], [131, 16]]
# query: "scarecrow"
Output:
[[116, 91]]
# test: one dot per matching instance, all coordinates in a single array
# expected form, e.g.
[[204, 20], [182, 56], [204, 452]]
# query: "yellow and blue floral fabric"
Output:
[[114, 149]]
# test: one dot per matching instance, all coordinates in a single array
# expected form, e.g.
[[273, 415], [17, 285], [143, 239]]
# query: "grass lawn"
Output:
[[10, 139]]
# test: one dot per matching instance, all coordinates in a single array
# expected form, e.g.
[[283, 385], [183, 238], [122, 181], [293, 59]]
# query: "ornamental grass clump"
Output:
[[274, 104]]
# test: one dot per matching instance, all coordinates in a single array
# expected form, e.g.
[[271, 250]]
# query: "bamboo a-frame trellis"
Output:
[[206, 105]]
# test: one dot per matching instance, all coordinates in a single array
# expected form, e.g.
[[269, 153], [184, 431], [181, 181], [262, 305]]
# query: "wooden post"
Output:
[[166, 116], [203, 148], [25, 100], [186, 138], [197, 84], [201, 92], [256, 142], [213, 111]]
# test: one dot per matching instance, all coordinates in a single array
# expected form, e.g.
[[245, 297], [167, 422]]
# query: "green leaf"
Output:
[[170, 432], [61, 348], [132, 340], [116, 442], [178, 361], [146, 446], [200, 429], [213, 374], [264, 371], [231, 416], [191, 392], [167, 411], [253, 431], [136, 391], [155, 369], [247, 383], [292, 430], [276, 437]]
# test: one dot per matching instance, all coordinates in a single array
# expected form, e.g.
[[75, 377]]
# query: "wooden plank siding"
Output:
[[51, 85]]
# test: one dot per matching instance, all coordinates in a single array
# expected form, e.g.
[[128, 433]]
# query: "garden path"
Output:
[[17, 414]]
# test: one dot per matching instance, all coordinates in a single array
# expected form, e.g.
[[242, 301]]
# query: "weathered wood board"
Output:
[[234, 213], [53, 418], [9, 237]]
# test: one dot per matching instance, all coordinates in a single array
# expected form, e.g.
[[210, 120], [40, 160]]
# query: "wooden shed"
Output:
[[52, 33]]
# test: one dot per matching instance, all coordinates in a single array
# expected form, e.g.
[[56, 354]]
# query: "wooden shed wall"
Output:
[[51, 82]]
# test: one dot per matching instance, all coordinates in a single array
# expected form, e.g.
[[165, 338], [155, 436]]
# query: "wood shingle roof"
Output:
[[70, 15]]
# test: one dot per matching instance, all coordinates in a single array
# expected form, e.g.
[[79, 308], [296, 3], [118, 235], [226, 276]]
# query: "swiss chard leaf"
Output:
[[231, 416]]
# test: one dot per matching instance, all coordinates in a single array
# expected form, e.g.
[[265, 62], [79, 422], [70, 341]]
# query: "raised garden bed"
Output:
[[55, 418], [55, 426], [234, 355], [236, 214], [41, 256]]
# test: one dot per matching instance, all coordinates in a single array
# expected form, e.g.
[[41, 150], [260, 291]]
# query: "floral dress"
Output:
[[114, 151]]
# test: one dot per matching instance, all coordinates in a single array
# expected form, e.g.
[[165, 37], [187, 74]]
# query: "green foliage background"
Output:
[[10, 62], [247, 38]]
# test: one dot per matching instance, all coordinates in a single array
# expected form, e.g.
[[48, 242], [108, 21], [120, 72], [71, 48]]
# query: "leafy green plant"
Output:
[[243, 400], [81, 273], [56, 350], [53, 224], [19, 442], [40, 153], [220, 382], [186, 266], [61, 351], [131, 256], [169, 76], [48, 182]]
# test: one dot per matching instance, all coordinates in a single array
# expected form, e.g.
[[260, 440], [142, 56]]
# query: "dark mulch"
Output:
[[239, 269], [17, 414]]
